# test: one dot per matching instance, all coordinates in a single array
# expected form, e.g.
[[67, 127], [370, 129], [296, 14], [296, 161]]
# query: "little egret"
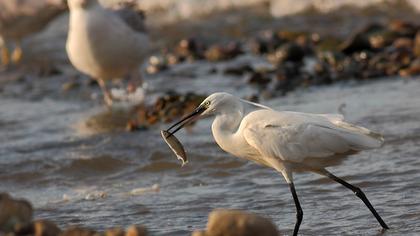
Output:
[[286, 141]]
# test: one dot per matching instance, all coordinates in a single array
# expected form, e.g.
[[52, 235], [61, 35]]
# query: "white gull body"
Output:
[[102, 45], [21, 18]]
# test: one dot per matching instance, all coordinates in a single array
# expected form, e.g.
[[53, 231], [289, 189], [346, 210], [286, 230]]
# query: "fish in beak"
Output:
[[173, 142]]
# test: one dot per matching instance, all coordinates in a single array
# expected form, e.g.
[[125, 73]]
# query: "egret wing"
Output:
[[294, 136]]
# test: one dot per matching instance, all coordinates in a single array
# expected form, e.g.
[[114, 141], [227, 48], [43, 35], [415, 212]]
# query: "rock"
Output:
[[167, 108], [156, 64], [332, 58], [190, 49], [237, 223], [403, 42], [306, 44], [356, 43], [260, 79], [76, 231], [413, 69], [266, 41], [238, 70], [402, 28], [14, 213], [381, 39], [117, 231], [328, 44], [45, 228], [225, 52], [401, 57], [287, 77], [359, 40], [288, 52], [135, 230], [416, 48], [70, 86]]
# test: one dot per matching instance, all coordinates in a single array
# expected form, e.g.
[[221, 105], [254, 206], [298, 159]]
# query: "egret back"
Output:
[[294, 136]]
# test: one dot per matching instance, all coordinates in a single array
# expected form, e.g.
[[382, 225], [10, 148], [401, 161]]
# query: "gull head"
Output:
[[216, 103], [81, 4]]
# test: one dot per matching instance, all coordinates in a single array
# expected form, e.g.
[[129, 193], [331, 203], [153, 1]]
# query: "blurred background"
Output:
[[82, 162]]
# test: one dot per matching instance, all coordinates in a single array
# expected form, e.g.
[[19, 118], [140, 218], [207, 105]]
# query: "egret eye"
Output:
[[207, 104]]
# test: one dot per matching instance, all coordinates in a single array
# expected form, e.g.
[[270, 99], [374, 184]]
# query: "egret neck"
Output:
[[225, 127]]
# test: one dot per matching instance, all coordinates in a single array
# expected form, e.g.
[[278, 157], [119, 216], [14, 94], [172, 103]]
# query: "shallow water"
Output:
[[74, 177]]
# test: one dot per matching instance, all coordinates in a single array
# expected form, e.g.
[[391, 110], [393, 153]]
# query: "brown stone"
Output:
[[117, 231], [413, 69], [402, 28], [417, 44], [45, 228], [14, 213], [237, 223], [223, 52], [76, 231], [403, 42], [135, 230]]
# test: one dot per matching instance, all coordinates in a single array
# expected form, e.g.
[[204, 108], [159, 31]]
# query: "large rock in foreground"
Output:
[[237, 223], [14, 213]]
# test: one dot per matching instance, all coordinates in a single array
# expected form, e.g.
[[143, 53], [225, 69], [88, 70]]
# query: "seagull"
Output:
[[106, 44], [20, 18], [286, 141]]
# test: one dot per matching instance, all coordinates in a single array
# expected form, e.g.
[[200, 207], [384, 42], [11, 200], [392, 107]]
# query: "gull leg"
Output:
[[106, 92], [299, 211], [17, 53], [136, 80], [359, 193]]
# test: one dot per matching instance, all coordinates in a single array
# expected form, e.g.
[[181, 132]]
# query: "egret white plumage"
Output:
[[287, 141]]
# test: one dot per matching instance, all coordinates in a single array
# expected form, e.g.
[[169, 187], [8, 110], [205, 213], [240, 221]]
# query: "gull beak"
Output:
[[185, 120]]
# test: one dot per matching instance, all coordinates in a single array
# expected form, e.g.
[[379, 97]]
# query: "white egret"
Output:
[[286, 141]]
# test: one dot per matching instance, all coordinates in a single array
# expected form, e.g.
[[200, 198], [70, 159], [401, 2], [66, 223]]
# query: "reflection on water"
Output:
[[74, 178]]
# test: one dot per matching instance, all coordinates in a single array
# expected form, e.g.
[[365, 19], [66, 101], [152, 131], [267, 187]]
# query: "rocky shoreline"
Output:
[[295, 60], [16, 219], [306, 50]]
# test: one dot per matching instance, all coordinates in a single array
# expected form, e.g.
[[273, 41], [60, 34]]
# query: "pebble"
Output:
[[135, 230], [237, 223]]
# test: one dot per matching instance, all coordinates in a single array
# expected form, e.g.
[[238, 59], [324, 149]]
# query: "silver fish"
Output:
[[175, 145]]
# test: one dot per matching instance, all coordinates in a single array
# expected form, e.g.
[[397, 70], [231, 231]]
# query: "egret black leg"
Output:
[[299, 212], [359, 193]]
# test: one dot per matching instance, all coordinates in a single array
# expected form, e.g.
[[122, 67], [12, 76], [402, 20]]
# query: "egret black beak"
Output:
[[185, 120]]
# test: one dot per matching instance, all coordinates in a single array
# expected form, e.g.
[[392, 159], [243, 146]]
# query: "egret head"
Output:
[[219, 103], [214, 104]]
